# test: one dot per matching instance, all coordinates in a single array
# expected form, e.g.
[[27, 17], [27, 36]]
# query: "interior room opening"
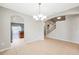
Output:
[[17, 33]]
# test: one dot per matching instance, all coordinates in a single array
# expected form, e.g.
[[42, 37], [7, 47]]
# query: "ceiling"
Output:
[[47, 9]]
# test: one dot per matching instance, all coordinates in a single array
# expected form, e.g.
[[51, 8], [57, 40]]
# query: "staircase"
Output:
[[50, 25]]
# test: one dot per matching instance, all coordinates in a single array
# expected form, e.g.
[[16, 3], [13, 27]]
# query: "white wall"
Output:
[[33, 30], [74, 27], [17, 19], [60, 32], [67, 30]]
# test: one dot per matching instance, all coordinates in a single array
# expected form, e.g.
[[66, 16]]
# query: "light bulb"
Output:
[[58, 17], [43, 17], [35, 17], [39, 17]]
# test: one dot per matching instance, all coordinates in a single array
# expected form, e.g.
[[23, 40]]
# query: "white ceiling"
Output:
[[48, 9]]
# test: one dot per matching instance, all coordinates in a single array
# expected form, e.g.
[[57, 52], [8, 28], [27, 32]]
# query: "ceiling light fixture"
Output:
[[39, 16]]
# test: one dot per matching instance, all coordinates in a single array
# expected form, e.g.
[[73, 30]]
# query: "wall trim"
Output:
[[65, 40], [2, 50]]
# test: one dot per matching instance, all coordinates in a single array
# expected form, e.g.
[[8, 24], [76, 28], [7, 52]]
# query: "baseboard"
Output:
[[73, 42], [2, 50], [65, 40]]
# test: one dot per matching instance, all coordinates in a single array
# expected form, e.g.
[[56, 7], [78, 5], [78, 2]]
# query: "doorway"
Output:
[[17, 31]]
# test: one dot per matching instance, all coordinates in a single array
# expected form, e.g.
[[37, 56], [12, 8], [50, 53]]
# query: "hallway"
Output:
[[47, 46]]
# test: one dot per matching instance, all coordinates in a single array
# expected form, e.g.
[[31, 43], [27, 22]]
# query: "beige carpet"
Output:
[[47, 46]]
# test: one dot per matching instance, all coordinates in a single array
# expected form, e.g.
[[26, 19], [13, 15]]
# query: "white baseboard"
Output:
[[65, 40], [70, 41], [2, 50], [73, 42]]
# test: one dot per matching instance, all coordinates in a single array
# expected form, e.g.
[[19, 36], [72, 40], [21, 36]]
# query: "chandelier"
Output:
[[39, 16]]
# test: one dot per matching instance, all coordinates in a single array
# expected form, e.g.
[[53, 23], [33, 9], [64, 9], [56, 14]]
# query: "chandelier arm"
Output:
[[39, 16]]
